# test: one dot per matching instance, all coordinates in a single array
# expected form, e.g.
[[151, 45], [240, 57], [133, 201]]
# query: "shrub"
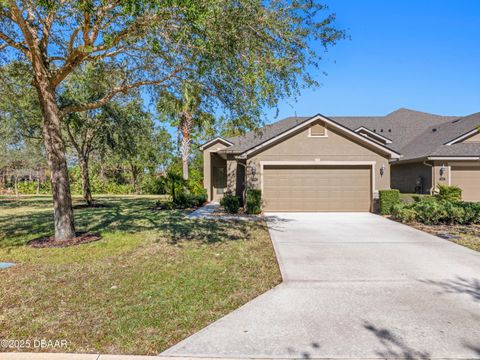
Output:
[[449, 193], [185, 200], [254, 201], [388, 198], [455, 213], [231, 203], [155, 185], [404, 213], [164, 205], [431, 212]]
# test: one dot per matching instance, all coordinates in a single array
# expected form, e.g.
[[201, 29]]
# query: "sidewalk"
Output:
[[61, 356]]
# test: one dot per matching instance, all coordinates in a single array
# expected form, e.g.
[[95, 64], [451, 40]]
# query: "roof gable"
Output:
[[330, 124], [214, 141]]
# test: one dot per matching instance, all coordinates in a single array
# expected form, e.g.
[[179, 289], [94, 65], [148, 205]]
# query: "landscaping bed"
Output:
[[443, 214], [153, 279], [466, 235]]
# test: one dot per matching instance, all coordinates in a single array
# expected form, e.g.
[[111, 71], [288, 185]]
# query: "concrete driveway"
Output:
[[355, 286]]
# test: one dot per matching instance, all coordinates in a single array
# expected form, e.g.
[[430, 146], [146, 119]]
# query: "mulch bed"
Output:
[[465, 235], [51, 242], [448, 231]]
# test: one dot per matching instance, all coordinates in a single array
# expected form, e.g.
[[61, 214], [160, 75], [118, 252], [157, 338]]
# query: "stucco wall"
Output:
[[404, 177], [207, 165], [334, 147]]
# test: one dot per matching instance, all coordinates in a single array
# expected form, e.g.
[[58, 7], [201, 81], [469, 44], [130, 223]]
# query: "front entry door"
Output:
[[219, 182]]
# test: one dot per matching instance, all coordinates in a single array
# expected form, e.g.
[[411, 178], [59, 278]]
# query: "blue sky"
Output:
[[423, 55]]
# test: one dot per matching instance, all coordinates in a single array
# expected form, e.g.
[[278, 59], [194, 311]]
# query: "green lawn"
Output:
[[155, 277]]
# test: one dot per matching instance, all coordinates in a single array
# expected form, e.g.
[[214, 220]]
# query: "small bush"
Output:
[[186, 200], [254, 201], [455, 214], [431, 212], [388, 198], [449, 193], [404, 213], [164, 205], [231, 203]]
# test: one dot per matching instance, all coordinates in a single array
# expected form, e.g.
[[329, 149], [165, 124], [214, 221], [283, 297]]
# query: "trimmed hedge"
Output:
[[254, 201], [231, 203], [388, 198]]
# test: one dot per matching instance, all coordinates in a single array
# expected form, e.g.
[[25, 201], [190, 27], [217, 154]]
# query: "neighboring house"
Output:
[[325, 163]]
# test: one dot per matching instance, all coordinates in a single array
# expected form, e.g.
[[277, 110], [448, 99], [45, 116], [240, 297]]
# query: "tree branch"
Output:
[[116, 90], [15, 44]]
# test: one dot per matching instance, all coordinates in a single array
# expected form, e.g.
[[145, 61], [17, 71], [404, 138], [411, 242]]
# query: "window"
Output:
[[318, 130]]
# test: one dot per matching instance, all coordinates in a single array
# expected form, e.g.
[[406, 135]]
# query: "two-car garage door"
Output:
[[468, 179], [317, 188]]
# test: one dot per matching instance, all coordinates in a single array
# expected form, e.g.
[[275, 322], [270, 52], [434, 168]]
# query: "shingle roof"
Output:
[[414, 134], [431, 142]]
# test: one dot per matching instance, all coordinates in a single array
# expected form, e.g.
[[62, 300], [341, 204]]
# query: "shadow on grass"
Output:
[[128, 215], [459, 285], [393, 346]]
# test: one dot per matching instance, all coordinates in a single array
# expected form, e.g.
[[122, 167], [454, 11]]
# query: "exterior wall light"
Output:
[[442, 170], [382, 169]]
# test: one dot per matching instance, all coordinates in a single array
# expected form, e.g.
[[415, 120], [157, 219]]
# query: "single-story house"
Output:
[[322, 163]]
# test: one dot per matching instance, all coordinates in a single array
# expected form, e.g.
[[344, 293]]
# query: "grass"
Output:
[[155, 277]]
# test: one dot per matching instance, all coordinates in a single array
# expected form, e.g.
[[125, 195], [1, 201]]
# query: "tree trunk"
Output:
[[185, 128], [38, 182], [86, 188], [134, 170], [55, 147], [16, 185]]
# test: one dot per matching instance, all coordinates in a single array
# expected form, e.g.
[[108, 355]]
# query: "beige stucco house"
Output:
[[322, 163]]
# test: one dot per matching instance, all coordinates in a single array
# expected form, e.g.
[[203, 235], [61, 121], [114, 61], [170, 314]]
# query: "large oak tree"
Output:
[[156, 43]]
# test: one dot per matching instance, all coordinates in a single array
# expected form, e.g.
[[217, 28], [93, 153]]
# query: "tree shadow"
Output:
[[459, 285], [474, 348], [305, 354], [127, 215], [394, 347], [276, 222]]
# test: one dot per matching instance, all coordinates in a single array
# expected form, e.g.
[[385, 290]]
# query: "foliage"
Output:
[[30, 187], [154, 184], [404, 213], [254, 201], [449, 193], [388, 198], [231, 203], [432, 211], [187, 200]]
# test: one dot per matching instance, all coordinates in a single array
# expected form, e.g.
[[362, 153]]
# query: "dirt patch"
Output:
[[51, 242]]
